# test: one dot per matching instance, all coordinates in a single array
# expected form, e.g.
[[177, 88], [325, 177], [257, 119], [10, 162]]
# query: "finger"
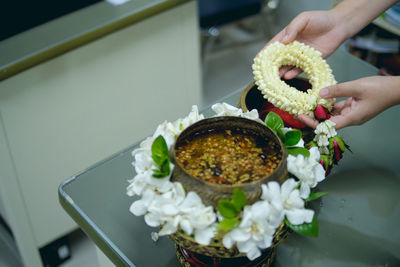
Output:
[[297, 25], [277, 37], [341, 121], [307, 120], [339, 106], [292, 73], [347, 89], [284, 70]]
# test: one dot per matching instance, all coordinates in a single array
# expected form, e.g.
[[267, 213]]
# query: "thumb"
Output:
[[347, 89], [297, 25]]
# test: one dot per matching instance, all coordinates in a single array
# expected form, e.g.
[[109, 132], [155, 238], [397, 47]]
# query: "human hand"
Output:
[[367, 97], [322, 30]]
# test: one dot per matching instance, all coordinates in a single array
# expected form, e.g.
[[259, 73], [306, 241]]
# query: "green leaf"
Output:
[[294, 151], [311, 144], [281, 135], [159, 150], [239, 199], [348, 147], [227, 209], [159, 153], [340, 143], [315, 195], [164, 167], [228, 224], [292, 137], [308, 229], [159, 174], [274, 121]]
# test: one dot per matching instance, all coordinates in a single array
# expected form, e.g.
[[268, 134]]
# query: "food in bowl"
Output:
[[233, 156]]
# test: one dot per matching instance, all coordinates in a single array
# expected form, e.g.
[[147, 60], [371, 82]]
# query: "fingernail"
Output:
[[285, 38], [324, 92]]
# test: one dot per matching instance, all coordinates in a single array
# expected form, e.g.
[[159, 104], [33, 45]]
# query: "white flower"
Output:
[[308, 170], [164, 208], [252, 115], [286, 198], [271, 193], [145, 146], [142, 155], [254, 232], [198, 215], [326, 127], [173, 209], [293, 205], [143, 181], [140, 207], [197, 218], [168, 131], [224, 109], [143, 162], [323, 132], [193, 117]]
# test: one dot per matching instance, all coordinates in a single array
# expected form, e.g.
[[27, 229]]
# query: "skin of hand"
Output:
[[322, 30], [367, 97], [327, 30]]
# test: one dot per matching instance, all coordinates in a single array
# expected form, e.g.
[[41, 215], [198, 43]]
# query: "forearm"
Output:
[[356, 14], [391, 87]]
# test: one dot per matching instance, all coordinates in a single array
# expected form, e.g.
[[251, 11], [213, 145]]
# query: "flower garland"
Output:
[[167, 205], [266, 74]]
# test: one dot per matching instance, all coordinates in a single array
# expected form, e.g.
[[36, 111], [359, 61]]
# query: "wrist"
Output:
[[340, 20], [393, 87], [354, 15]]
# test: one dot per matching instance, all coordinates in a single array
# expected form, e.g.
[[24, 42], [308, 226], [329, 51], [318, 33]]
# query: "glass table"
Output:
[[358, 219]]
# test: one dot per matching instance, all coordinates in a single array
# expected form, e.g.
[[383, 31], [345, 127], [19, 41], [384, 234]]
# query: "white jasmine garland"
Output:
[[165, 204], [280, 94]]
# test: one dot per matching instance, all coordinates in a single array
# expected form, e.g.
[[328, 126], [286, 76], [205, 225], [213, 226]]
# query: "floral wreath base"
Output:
[[166, 204]]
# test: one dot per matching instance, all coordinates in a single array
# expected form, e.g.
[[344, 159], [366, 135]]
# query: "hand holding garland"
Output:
[[327, 30], [367, 97]]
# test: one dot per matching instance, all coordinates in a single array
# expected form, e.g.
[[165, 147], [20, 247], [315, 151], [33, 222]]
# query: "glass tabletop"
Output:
[[357, 220]]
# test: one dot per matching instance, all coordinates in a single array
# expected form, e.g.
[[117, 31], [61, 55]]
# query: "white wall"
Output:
[[68, 113]]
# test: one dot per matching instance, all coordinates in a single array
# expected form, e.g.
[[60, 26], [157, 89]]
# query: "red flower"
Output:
[[321, 113], [288, 119]]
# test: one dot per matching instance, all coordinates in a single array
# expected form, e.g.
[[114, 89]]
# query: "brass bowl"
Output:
[[211, 193], [252, 98]]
